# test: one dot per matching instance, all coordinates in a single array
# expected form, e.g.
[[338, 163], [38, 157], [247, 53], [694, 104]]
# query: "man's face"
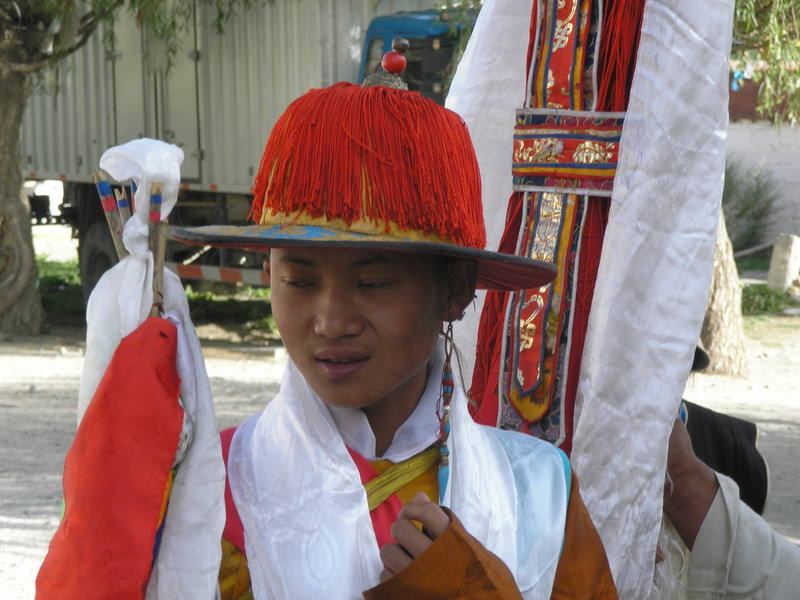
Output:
[[360, 325]]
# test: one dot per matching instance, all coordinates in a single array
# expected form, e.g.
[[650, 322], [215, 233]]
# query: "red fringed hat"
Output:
[[372, 167]]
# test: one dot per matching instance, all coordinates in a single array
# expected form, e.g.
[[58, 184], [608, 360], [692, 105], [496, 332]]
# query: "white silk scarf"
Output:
[[187, 564], [487, 88], [656, 261], [653, 279], [308, 532]]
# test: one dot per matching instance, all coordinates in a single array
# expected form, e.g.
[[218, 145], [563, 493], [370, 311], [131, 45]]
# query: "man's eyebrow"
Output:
[[296, 260], [372, 260]]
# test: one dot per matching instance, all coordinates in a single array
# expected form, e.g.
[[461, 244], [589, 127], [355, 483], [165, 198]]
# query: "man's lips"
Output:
[[339, 364]]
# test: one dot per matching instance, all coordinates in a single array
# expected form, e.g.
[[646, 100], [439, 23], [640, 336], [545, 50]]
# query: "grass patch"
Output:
[[251, 309], [60, 286], [754, 262], [256, 292], [67, 272], [772, 329], [759, 299]]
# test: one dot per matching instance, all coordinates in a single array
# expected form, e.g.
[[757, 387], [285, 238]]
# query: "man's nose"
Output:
[[336, 313]]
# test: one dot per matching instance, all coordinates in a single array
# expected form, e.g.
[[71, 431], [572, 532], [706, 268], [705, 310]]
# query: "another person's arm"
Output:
[[693, 486], [735, 553]]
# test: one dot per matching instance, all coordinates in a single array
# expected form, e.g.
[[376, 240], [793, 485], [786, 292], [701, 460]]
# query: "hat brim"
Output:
[[496, 270]]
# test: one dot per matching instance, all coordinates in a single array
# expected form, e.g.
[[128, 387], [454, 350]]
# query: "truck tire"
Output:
[[96, 254]]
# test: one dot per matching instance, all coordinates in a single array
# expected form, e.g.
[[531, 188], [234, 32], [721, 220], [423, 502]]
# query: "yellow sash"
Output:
[[398, 475]]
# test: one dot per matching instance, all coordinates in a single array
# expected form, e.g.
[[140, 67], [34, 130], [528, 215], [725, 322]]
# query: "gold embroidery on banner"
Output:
[[561, 38], [593, 152], [564, 28], [527, 328], [521, 379], [541, 150], [544, 245]]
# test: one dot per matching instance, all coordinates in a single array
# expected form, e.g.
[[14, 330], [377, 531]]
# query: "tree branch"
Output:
[[32, 67], [86, 29]]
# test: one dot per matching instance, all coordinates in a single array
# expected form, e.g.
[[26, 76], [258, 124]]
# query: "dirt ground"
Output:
[[38, 394]]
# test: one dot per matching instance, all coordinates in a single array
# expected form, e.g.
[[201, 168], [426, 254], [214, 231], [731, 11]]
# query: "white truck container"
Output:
[[218, 101]]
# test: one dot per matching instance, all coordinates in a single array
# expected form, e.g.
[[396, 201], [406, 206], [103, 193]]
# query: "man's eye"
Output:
[[373, 284], [296, 283]]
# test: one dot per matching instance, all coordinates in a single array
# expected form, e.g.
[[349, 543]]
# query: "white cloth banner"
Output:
[[653, 279], [657, 255], [489, 85], [187, 565]]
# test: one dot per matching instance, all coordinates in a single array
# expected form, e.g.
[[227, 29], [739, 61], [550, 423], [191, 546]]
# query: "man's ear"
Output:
[[462, 277]]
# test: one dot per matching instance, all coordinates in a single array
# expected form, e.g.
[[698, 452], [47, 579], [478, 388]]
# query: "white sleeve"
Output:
[[738, 555]]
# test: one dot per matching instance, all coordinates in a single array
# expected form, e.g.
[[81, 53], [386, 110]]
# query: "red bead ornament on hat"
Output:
[[395, 61]]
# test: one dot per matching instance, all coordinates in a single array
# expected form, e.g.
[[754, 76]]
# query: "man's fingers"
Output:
[[411, 542], [394, 558], [385, 575], [434, 520], [409, 537]]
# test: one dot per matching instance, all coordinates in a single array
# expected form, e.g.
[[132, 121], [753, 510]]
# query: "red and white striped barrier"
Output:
[[255, 277]]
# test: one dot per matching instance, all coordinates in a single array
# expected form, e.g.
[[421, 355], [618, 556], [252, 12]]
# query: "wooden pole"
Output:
[[158, 243], [123, 205], [109, 204]]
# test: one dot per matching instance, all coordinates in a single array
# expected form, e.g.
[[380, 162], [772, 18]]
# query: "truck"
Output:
[[217, 100]]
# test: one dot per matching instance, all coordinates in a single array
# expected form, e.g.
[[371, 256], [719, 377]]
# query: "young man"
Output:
[[365, 475]]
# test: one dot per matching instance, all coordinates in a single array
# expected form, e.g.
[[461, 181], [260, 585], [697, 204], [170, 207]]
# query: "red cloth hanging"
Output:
[[616, 56], [483, 404], [117, 474]]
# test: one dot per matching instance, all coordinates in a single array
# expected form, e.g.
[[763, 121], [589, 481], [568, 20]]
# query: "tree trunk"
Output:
[[723, 327], [20, 304]]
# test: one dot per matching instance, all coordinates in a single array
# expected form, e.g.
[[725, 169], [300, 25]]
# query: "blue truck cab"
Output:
[[432, 34]]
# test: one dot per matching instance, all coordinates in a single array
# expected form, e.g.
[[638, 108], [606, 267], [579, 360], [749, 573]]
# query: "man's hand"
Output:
[[410, 541], [694, 486]]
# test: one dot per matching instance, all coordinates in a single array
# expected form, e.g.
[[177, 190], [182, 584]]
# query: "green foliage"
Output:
[[60, 286], [767, 45], [759, 299], [747, 200], [753, 262], [461, 15], [257, 292], [56, 272], [36, 34], [254, 311]]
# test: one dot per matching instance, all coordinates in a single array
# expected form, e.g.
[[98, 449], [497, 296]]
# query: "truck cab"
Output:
[[433, 36]]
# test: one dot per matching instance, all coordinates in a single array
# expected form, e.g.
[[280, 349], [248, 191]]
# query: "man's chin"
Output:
[[340, 395]]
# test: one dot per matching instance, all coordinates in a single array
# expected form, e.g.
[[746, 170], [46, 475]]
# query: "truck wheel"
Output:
[[97, 254]]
